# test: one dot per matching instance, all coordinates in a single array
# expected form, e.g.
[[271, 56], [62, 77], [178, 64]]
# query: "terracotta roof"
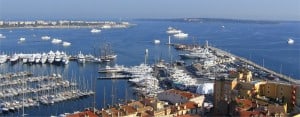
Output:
[[245, 104], [188, 115], [186, 94], [249, 113], [128, 109], [189, 105], [83, 114]]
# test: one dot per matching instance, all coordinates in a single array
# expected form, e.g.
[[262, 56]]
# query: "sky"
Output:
[[93, 9]]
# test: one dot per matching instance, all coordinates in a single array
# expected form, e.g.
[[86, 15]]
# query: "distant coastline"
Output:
[[63, 24], [203, 20]]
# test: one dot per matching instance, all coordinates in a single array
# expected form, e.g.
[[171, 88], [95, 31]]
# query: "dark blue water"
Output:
[[256, 42]]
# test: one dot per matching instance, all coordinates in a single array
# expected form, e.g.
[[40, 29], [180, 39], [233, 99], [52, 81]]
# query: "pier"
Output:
[[281, 76]]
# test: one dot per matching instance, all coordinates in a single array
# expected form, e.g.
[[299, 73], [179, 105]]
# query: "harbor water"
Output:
[[262, 43]]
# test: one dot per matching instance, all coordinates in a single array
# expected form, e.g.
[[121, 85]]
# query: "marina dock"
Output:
[[281, 76]]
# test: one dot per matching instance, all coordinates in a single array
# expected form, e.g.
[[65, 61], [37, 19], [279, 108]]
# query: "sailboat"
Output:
[[107, 54]]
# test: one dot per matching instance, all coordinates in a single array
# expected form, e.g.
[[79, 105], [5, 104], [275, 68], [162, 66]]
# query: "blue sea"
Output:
[[257, 42]]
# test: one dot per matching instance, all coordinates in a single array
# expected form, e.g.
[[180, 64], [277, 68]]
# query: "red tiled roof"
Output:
[[189, 105], [188, 115], [83, 114], [186, 94]]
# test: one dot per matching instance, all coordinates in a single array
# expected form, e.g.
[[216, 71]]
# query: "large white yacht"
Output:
[[181, 35], [81, 58], [65, 44], [56, 41], [172, 30]]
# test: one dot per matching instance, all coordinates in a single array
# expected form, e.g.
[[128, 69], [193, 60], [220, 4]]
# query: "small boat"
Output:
[[181, 35], [46, 38], [290, 41], [66, 44], [22, 39], [156, 41], [2, 36], [95, 31], [56, 41]]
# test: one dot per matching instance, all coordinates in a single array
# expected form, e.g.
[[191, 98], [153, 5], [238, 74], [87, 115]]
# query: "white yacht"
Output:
[[81, 58], [290, 41], [95, 31], [38, 57], [181, 35], [3, 58], [172, 30], [56, 41], [2, 36], [44, 58], [46, 38], [51, 57], [65, 44], [14, 58], [57, 57]]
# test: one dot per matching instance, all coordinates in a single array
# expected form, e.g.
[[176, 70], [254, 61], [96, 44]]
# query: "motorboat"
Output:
[[156, 41], [56, 41], [65, 44], [2, 36], [290, 41], [95, 31], [181, 35], [22, 39], [46, 38]]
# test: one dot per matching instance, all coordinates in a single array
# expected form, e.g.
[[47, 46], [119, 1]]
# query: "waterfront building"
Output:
[[239, 84], [282, 92]]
